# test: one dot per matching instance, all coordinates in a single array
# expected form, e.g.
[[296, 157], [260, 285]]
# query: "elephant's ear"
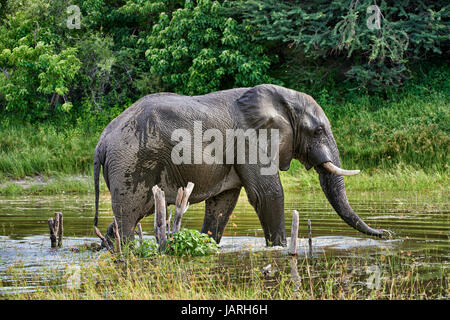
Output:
[[267, 107]]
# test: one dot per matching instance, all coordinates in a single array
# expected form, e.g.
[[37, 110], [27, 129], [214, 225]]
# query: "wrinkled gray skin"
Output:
[[135, 152]]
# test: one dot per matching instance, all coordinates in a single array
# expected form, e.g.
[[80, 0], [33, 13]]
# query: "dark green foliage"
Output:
[[126, 49], [336, 35], [123, 51], [37, 73], [199, 49]]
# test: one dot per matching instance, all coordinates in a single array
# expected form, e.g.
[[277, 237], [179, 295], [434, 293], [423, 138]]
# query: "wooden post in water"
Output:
[[160, 217], [139, 231], [181, 205], [60, 229], [309, 238], [294, 233], [56, 229]]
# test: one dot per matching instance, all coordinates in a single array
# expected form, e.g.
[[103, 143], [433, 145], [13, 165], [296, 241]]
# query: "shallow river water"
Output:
[[420, 220]]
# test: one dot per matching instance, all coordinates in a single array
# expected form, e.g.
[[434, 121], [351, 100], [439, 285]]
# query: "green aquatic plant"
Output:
[[147, 249], [186, 242], [190, 242]]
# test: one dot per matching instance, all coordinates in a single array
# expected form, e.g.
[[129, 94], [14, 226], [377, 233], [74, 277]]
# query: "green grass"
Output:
[[398, 178], [401, 178], [45, 150], [56, 184], [410, 127]]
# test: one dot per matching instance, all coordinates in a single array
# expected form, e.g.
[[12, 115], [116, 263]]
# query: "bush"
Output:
[[124, 50], [148, 248], [198, 49]]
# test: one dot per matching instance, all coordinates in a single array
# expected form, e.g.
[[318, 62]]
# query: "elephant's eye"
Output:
[[318, 131]]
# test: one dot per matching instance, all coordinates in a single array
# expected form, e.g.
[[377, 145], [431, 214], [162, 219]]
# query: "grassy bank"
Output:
[[45, 150], [412, 127], [402, 178], [218, 277]]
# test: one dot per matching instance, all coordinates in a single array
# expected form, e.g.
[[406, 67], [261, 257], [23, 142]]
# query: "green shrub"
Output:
[[38, 66], [148, 248], [186, 242], [191, 242]]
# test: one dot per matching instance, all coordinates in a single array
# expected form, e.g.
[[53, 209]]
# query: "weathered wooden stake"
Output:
[[52, 233], [56, 229], [309, 238], [160, 217], [60, 229], [294, 233], [139, 230], [169, 232], [181, 205], [117, 236]]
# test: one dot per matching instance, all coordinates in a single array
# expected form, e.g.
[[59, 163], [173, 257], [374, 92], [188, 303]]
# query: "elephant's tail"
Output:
[[97, 165]]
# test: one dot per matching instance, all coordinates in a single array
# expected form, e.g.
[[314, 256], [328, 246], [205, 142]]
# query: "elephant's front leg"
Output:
[[265, 194], [217, 212]]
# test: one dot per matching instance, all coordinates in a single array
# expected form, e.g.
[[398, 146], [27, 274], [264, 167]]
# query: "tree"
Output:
[[197, 49]]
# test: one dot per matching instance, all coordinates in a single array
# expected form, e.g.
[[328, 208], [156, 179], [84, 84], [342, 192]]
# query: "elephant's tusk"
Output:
[[336, 170]]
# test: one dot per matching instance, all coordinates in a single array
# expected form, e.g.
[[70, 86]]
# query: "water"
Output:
[[420, 221]]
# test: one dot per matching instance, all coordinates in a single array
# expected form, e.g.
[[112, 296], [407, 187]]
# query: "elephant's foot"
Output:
[[276, 240], [111, 237]]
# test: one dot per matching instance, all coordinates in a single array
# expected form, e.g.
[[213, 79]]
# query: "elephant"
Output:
[[136, 152]]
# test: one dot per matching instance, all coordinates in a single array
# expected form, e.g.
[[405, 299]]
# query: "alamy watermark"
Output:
[[374, 280], [374, 20], [262, 145], [73, 276], [74, 20]]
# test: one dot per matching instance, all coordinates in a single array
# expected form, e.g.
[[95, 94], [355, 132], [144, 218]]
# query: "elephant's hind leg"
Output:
[[127, 223], [217, 212]]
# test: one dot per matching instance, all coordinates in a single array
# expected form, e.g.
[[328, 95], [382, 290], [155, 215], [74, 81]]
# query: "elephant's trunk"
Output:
[[334, 189]]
